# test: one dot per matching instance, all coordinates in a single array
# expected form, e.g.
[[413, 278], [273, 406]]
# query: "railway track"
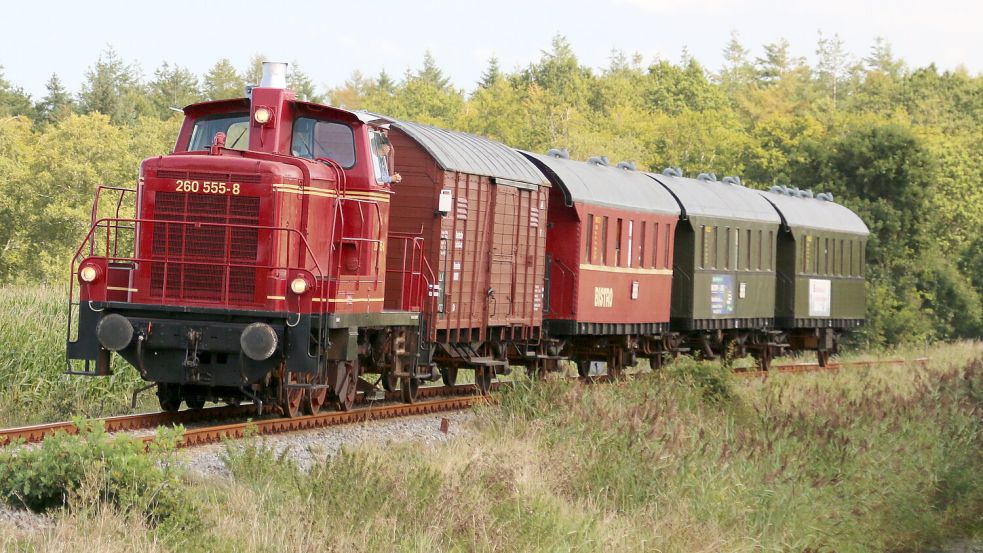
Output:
[[436, 399], [815, 367], [196, 436]]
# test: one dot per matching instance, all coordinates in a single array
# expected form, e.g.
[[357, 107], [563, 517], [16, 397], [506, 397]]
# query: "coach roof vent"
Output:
[[736, 181], [626, 165], [707, 177], [274, 75], [672, 172], [559, 153], [825, 196], [598, 160]]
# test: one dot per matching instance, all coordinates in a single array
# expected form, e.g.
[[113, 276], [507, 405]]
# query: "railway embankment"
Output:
[[692, 458]]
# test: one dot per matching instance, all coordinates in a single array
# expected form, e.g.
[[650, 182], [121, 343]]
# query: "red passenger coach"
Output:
[[481, 208], [610, 242]]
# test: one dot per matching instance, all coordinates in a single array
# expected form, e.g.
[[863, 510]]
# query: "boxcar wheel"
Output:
[[583, 368], [388, 380], [449, 376], [482, 380], [409, 386]]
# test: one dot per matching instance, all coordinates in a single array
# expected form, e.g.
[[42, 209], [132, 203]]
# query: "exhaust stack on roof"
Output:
[[274, 75]]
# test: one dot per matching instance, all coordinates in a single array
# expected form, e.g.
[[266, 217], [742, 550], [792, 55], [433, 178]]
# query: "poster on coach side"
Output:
[[820, 297]]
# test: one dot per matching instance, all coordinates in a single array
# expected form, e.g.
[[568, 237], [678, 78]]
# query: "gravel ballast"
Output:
[[309, 447]]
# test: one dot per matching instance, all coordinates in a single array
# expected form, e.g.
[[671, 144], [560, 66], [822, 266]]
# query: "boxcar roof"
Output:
[[700, 198], [472, 154], [602, 185], [815, 213]]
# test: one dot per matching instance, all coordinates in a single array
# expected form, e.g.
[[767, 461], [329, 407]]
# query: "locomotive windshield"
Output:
[[234, 125], [314, 138]]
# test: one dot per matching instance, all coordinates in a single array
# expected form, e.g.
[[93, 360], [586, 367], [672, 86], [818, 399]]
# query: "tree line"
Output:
[[899, 145]]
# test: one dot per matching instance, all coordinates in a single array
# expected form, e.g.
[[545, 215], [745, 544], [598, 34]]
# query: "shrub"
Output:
[[714, 380], [93, 468]]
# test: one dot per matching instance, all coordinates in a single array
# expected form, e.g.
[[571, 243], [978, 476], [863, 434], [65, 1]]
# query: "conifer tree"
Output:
[[223, 81], [56, 104]]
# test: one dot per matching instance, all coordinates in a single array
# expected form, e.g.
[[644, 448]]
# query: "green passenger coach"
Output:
[[723, 289], [820, 289]]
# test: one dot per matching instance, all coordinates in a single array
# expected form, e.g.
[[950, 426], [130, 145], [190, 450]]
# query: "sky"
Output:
[[330, 40]]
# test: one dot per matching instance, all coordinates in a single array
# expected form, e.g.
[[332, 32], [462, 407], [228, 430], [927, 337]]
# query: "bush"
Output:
[[93, 468], [714, 380]]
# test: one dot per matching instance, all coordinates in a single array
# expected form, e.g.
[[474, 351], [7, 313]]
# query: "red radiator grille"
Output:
[[179, 244]]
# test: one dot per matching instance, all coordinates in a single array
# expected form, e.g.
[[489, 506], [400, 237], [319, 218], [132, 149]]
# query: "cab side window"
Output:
[[313, 138]]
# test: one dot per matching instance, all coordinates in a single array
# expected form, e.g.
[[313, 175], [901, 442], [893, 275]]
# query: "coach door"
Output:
[[501, 293]]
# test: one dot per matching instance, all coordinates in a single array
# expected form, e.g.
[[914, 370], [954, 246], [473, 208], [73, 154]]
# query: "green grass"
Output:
[[688, 459], [33, 386]]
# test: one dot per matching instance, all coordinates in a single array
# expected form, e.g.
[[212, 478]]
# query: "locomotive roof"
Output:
[[472, 154], [602, 185], [700, 198], [815, 213]]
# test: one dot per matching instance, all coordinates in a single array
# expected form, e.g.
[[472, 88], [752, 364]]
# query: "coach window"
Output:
[[715, 262], [667, 236], [770, 252], [641, 247], [655, 247], [316, 139], [588, 238], [727, 243], [631, 244], [604, 240], [850, 262], [619, 238], [702, 259], [737, 249], [842, 253]]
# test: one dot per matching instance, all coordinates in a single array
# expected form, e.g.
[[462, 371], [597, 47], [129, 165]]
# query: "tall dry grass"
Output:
[[689, 459], [33, 386]]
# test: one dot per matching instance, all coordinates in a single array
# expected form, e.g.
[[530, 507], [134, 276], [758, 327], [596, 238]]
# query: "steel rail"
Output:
[[143, 421], [815, 367], [215, 434]]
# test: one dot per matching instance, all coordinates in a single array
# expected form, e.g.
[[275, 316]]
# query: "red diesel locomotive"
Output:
[[275, 256]]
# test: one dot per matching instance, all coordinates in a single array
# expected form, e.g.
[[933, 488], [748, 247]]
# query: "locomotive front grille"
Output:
[[185, 247]]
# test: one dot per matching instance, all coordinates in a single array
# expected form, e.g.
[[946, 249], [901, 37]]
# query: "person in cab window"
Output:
[[381, 148]]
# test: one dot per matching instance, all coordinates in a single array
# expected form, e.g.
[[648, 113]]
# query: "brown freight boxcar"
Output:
[[481, 209]]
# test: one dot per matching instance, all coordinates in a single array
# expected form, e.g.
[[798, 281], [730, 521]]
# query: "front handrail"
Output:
[[309, 264]]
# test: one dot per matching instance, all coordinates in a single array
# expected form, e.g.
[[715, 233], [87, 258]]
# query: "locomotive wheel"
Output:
[[409, 387], [482, 380], [583, 368], [169, 396], [346, 398], [291, 398], [449, 376], [314, 399]]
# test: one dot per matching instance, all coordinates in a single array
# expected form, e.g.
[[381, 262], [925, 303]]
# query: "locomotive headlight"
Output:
[[298, 285], [262, 115], [88, 273]]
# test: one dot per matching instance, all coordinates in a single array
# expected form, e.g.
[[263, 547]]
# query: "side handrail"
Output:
[[567, 274]]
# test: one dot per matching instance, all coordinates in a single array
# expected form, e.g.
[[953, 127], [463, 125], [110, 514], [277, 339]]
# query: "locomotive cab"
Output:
[[254, 266]]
